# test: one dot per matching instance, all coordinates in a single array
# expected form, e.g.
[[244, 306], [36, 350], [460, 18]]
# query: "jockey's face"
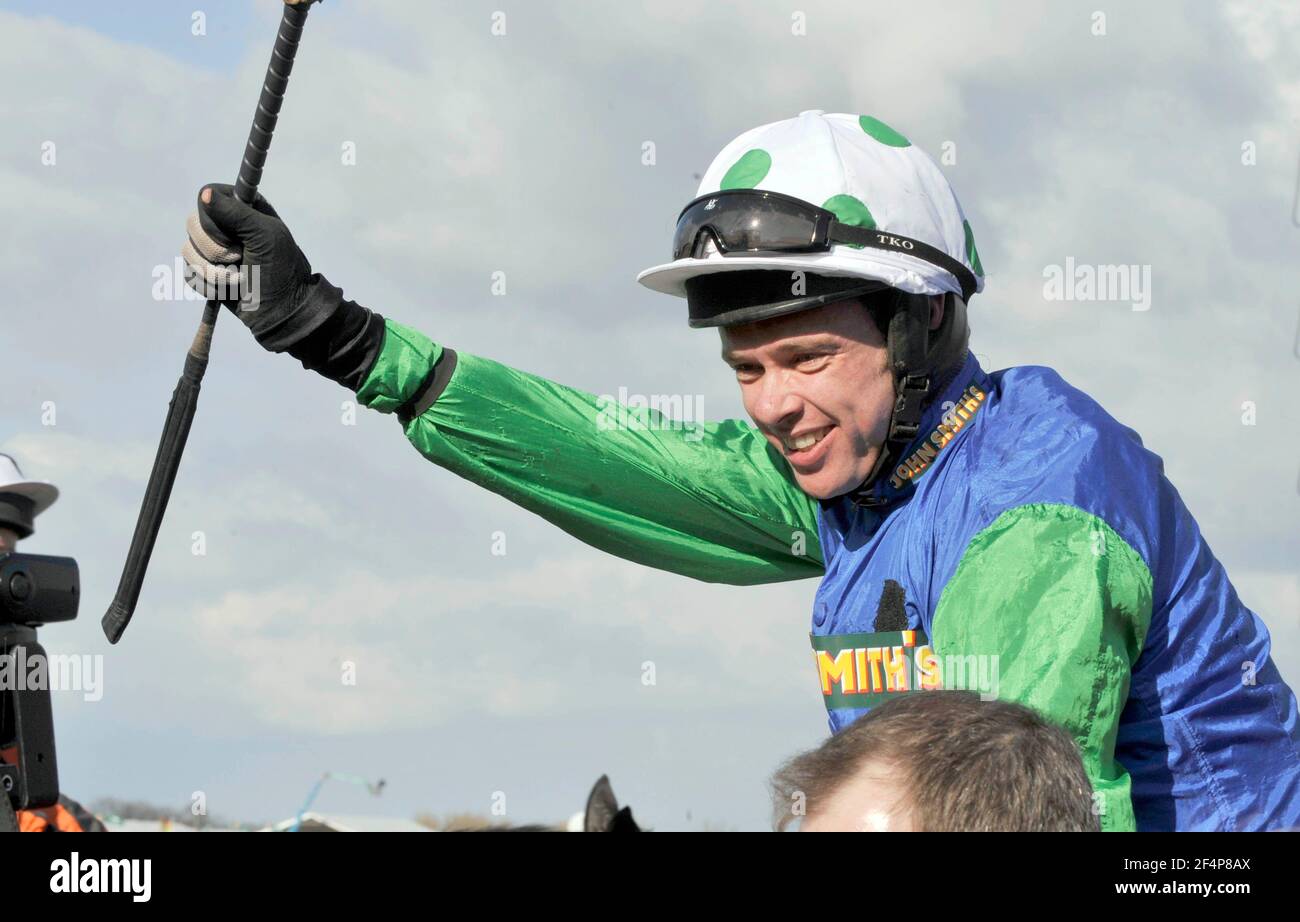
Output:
[[873, 800], [8, 539], [818, 386]]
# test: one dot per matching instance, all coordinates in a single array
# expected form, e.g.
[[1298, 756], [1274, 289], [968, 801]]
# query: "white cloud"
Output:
[[552, 637]]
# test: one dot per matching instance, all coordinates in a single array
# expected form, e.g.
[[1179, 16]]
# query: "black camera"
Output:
[[35, 589]]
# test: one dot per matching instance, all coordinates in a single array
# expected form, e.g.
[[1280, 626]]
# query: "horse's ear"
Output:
[[602, 807], [624, 822], [603, 813]]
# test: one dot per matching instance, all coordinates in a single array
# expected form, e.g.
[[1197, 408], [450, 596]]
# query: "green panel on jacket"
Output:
[[1064, 603]]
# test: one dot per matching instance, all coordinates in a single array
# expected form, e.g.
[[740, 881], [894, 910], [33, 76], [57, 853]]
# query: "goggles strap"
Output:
[[880, 240]]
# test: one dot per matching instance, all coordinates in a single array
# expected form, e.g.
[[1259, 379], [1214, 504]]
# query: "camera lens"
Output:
[[20, 587]]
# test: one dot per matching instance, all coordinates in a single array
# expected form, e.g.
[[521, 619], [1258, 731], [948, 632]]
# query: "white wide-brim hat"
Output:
[[42, 493]]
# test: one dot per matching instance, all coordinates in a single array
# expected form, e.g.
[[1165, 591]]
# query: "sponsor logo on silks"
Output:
[[863, 670], [954, 421]]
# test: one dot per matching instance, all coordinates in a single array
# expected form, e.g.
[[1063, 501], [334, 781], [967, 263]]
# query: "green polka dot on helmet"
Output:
[[748, 171], [972, 254], [882, 132], [849, 209]]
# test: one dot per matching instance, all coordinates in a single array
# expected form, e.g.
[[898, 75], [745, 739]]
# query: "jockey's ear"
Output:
[[936, 311]]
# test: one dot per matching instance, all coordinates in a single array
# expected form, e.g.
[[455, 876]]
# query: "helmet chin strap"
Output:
[[921, 363]]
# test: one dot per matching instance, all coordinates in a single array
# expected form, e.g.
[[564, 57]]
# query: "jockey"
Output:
[[990, 530]]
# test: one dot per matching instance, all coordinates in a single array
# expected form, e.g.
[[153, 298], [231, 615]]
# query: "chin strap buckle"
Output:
[[906, 424]]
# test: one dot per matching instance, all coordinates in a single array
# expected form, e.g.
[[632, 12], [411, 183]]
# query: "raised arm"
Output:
[[711, 501]]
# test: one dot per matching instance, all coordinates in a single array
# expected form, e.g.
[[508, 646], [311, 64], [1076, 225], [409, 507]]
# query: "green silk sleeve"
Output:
[[1063, 603], [711, 501]]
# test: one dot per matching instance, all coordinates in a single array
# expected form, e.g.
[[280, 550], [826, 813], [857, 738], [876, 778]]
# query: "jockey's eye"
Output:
[[810, 361]]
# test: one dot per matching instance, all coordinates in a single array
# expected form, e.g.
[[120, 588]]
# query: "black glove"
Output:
[[245, 256]]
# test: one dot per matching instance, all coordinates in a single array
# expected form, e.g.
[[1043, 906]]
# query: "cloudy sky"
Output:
[[1169, 141]]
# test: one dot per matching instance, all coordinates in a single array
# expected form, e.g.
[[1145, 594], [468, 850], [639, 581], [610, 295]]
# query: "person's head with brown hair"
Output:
[[943, 761]]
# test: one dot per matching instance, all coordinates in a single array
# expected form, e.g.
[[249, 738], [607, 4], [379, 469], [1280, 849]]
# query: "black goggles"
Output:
[[751, 222]]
